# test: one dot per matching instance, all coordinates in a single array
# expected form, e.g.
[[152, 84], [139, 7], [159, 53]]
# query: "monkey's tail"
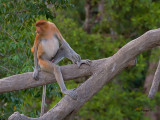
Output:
[[43, 100]]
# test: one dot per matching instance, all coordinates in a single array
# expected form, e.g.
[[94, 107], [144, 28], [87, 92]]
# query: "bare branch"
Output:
[[25, 80], [9, 35], [155, 83]]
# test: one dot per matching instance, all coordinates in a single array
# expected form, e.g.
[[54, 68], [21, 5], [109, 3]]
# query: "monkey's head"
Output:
[[42, 27]]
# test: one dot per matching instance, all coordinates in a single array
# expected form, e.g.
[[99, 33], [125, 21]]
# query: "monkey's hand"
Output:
[[74, 56], [35, 74], [71, 93], [88, 62]]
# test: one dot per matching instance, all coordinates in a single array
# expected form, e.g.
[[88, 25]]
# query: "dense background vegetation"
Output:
[[109, 28]]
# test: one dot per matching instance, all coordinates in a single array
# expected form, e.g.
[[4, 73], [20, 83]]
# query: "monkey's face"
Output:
[[38, 30], [42, 29]]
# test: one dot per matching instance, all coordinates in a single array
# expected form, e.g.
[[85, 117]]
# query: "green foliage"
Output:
[[113, 103], [130, 17], [121, 99]]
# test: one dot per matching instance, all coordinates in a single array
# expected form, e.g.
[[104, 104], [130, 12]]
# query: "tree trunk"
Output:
[[87, 23]]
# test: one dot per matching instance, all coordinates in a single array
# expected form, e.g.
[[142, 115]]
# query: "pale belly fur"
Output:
[[50, 47]]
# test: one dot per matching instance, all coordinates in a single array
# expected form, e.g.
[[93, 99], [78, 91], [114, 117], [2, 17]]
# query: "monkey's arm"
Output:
[[66, 51], [70, 53]]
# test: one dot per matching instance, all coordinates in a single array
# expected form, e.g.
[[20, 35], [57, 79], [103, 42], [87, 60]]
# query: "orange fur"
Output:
[[46, 31]]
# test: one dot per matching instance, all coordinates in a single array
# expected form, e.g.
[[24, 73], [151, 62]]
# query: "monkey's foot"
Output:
[[35, 74], [71, 93], [88, 62]]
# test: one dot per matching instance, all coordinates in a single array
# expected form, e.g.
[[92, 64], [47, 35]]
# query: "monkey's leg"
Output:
[[59, 55], [60, 81], [55, 69], [63, 53], [68, 52], [77, 61]]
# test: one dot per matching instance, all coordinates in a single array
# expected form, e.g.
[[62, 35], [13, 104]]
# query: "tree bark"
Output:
[[25, 80], [150, 75], [87, 22], [152, 65], [102, 73], [155, 83], [101, 9]]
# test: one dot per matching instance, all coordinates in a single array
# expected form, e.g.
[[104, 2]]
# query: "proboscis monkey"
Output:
[[48, 52]]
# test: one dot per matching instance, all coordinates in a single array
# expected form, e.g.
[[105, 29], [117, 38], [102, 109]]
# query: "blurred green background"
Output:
[[95, 29]]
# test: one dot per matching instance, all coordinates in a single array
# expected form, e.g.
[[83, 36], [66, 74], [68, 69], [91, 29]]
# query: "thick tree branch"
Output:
[[25, 80], [102, 73]]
